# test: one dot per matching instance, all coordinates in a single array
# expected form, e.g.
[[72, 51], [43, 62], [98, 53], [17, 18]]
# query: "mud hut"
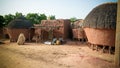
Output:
[[17, 26], [58, 28], [77, 31], [100, 25]]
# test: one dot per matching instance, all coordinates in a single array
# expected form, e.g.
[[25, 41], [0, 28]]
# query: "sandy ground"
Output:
[[69, 55]]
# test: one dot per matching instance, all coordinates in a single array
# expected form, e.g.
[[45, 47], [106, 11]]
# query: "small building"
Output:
[[20, 25], [100, 25], [59, 28], [77, 30]]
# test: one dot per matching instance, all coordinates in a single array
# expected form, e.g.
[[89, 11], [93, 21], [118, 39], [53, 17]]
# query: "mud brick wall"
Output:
[[78, 33], [14, 33], [104, 37], [62, 30], [42, 33]]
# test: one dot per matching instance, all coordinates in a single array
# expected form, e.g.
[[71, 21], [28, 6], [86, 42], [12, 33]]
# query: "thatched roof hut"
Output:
[[102, 17], [100, 24], [17, 26]]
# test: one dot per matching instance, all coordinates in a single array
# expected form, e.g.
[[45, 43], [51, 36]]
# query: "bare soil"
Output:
[[37, 55]]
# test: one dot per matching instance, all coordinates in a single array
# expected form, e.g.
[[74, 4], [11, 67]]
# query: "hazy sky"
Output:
[[59, 8]]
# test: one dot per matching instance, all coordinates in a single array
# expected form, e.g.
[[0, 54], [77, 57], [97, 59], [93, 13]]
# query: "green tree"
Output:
[[36, 18], [33, 17], [42, 17], [51, 17], [73, 19], [17, 14], [2, 21], [8, 18]]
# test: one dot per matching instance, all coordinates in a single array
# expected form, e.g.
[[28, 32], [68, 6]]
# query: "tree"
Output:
[[36, 18], [51, 17], [17, 14], [42, 17], [1, 21], [33, 17], [8, 18], [73, 19]]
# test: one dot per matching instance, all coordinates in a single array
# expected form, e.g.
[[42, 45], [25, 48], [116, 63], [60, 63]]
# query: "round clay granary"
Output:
[[100, 24], [17, 26]]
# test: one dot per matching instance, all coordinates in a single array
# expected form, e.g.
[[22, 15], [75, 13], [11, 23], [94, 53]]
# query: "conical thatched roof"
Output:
[[102, 16], [19, 23]]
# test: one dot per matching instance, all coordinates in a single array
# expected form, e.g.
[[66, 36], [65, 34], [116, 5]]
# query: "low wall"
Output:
[[63, 30], [78, 33]]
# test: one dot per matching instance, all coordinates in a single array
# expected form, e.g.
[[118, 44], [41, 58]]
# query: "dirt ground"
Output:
[[38, 55]]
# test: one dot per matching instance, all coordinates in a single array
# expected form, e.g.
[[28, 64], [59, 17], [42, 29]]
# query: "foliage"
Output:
[[73, 19], [51, 17], [17, 15], [42, 17], [1, 21], [32, 17], [36, 18], [8, 18]]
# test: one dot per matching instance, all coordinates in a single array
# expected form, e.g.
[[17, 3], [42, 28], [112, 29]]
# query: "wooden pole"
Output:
[[117, 42]]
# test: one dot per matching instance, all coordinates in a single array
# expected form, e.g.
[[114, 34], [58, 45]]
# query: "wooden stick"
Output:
[[110, 49], [103, 49], [92, 46], [96, 47]]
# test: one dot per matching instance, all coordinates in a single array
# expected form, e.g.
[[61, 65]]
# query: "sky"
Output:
[[64, 9]]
